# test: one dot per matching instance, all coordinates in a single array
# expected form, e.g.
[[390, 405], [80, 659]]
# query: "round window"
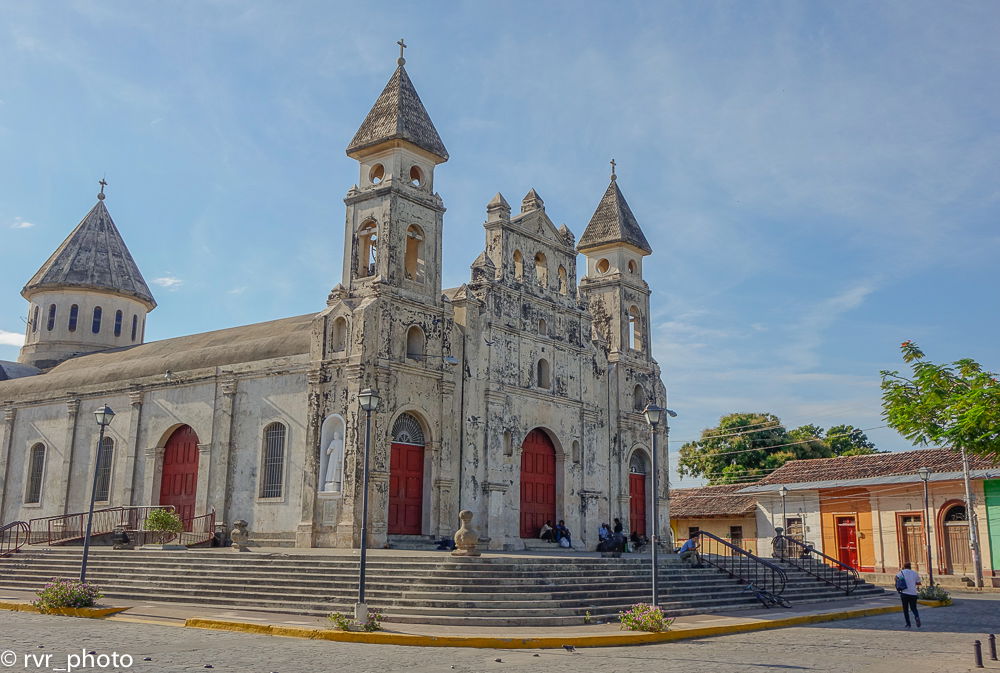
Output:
[[377, 174], [603, 266], [416, 177]]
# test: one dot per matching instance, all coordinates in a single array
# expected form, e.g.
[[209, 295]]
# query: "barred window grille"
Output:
[[407, 430], [104, 455], [37, 465], [274, 461]]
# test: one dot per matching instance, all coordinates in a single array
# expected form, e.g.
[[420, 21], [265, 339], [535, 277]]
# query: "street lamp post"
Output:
[[369, 400], [925, 475], [783, 492], [104, 415], [654, 414]]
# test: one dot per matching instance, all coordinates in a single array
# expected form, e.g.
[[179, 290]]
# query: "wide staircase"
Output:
[[508, 590]]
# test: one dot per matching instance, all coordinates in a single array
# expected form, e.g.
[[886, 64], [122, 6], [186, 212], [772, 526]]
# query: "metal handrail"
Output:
[[64, 528], [13, 536], [822, 567], [739, 563]]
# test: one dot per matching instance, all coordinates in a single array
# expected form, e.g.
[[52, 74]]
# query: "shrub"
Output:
[[934, 593], [344, 622], [643, 617], [66, 593], [163, 520], [340, 621]]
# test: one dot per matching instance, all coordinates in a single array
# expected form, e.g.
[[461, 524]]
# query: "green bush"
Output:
[[344, 622], [66, 593], [934, 593], [163, 520], [643, 617]]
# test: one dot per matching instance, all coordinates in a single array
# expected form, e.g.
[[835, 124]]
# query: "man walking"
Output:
[[907, 582]]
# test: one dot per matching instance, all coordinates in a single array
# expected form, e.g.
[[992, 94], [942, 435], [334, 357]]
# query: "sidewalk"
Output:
[[428, 635]]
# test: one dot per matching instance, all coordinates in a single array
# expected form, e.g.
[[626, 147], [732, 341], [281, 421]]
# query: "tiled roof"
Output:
[[687, 503], [399, 114], [613, 222], [15, 370], [847, 468], [93, 257]]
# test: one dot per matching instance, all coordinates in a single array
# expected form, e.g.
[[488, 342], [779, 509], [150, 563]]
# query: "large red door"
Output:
[[179, 478], [538, 483], [406, 489], [847, 540], [637, 503]]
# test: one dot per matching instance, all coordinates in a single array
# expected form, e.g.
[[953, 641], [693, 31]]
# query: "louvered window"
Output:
[[104, 456], [37, 465], [273, 463]]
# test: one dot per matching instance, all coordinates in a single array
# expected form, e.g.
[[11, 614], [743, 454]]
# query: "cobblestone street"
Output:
[[873, 644]]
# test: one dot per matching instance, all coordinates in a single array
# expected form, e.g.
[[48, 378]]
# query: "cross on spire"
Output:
[[613, 176], [402, 46], [103, 183]]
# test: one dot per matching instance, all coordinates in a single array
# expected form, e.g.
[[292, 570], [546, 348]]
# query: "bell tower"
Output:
[[394, 217]]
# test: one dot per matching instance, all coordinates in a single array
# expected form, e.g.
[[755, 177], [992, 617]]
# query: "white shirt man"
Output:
[[909, 594]]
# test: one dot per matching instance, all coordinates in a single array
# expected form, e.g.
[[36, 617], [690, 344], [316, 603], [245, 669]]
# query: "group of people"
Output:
[[613, 538], [557, 534]]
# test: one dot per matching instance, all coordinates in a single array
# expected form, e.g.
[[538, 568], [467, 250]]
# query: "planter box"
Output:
[[933, 604]]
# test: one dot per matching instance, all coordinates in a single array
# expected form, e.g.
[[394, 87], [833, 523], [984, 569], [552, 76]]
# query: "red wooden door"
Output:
[[406, 489], [179, 477], [637, 503], [538, 483], [847, 541]]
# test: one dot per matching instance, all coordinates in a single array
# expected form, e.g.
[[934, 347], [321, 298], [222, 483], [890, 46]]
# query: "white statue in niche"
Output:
[[334, 454]]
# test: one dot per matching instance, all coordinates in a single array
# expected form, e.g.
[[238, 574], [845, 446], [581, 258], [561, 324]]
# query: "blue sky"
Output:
[[818, 180]]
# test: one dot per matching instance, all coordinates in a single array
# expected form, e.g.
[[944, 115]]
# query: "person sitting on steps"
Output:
[[689, 553], [547, 533], [563, 532], [638, 541], [603, 533]]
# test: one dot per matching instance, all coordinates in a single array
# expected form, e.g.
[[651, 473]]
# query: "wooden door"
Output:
[[179, 476], [957, 552], [637, 503], [912, 547], [847, 540], [538, 483], [406, 489]]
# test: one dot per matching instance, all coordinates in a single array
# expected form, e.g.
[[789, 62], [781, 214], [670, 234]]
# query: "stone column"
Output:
[[72, 411], [591, 520], [442, 492], [135, 398], [497, 532], [305, 534], [6, 444], [152, 475], [378, 508], [222, 437], [623, 502], [203, 486]]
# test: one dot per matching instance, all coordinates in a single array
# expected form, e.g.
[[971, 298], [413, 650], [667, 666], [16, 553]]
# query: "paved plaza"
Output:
[[872, 644]]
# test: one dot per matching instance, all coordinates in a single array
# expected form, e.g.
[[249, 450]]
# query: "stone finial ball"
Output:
[[465, 515]]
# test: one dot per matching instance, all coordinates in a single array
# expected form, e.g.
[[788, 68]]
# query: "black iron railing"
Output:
[[13, 536], [739, 563], [66, 528], [807, 559]]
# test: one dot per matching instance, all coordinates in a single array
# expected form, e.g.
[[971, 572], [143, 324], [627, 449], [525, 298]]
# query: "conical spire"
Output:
[[398, 114], [93, 257], [613, 222]]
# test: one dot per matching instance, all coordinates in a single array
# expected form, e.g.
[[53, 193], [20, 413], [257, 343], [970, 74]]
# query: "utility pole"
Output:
[[970, 509]]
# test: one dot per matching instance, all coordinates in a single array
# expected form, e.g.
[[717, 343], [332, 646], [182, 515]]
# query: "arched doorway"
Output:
[[406, 477], [179, 474], [637, 471], [538, 483], [955, 530]]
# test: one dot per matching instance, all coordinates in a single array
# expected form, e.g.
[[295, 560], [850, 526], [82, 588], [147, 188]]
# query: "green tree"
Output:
[[847, 440], [956, 405]]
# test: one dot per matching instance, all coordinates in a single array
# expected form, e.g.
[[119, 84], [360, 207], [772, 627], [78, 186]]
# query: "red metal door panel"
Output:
[[406, 489], [637, 503], [847, 540], [179, 476], [538, 483]]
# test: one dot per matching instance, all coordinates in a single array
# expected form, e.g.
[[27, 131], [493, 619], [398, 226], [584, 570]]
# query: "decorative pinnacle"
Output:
[[402, 46], [103, 183], [613, 176]]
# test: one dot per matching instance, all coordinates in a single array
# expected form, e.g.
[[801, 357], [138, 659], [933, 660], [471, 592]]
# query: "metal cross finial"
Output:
[[402, 46], [103, 183], [613, 176]]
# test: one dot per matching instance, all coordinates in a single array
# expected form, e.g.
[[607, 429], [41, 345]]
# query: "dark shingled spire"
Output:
[[93, 257], [613, 222], [398, 114]]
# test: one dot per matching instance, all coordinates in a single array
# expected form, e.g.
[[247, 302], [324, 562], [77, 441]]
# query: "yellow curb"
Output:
[[934, 604], [90, 613], [139, 620], [545, 642]]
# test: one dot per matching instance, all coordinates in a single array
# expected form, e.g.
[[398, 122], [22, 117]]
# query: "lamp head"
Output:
[[924, 473], [653, 414], [783, 491], [104, 415], [369, 399]]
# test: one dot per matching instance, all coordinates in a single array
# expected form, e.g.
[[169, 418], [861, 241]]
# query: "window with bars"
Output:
[[104, 456], [36, 467], [273, 462]]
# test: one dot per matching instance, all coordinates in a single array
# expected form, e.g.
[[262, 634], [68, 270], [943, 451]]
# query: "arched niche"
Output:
[[331, 443]]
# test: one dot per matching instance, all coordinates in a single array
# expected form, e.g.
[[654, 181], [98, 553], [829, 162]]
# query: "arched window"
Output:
[[36, 468], [135, 325], [105, 453], [118, 323], [634, 329], [52, 317], [407, 430], [543, 327], [339, 340], [416, 176], [142, 329], [96, 327], [603, 266], [518, 266], [376, 174], [414, 260], [34, 321], [74, 314], [367, 248], [563, 280], [544, 374], [273, 461], [541, 270], [631, 266], [956, 513], [508, 444], [638, 398], [414, 343], [637, 464], [576, 453]]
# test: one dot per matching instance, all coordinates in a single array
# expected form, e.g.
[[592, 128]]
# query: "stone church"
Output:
[[517, 396]]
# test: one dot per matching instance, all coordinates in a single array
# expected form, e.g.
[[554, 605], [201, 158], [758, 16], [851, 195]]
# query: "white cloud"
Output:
[[21, 224], [238, 290], [11, 338], [169, 282]]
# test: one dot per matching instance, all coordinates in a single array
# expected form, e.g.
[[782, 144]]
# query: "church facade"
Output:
[[517, 396]]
